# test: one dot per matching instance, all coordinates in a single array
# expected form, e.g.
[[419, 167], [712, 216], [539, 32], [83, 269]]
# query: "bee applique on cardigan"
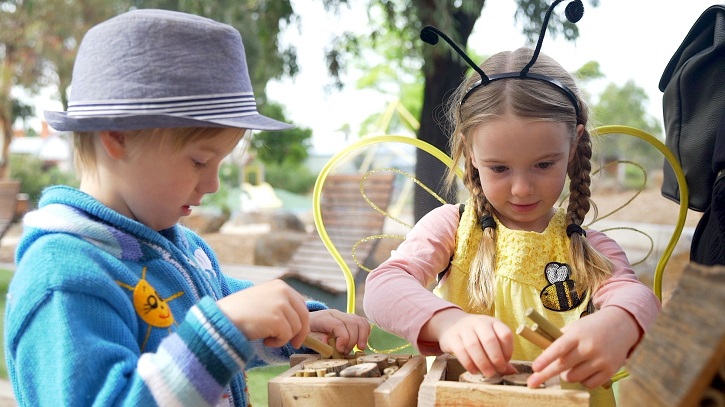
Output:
[[561, 294]]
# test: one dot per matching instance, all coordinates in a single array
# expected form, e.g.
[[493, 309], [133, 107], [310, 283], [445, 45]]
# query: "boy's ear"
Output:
[[114, 143]]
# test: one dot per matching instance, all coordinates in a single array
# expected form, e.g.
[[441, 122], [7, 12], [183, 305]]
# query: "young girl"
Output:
[[510, 249], [115, 303]]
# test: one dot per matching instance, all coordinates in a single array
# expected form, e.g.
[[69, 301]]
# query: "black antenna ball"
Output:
[[429, 35], [574, 11]]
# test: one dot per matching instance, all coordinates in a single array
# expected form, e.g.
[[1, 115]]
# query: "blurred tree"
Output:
[[38, 42], [64, 25], [19, 66], [626, 106], [289, 147], [400, 22]]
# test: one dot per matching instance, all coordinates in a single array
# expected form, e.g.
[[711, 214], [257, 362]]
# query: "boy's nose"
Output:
[[209, 183]]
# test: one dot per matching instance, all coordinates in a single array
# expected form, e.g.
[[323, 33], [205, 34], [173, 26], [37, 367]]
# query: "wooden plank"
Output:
[[439, 391], [681, 353], [401, 389]]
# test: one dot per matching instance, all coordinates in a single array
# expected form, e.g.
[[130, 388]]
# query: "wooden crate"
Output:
[[441, 388], [400, 390]]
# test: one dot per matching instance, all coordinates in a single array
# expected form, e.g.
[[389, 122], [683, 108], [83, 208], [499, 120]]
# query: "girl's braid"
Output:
[[579, 181]]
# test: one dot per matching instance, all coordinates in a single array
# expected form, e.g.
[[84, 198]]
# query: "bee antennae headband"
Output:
[[574, 12]]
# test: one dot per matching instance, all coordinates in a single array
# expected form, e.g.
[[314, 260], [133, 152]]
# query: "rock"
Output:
[[276, 248], [205, 221]]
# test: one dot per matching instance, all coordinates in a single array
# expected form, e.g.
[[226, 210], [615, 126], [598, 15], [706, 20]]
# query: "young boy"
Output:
[[113, 302]]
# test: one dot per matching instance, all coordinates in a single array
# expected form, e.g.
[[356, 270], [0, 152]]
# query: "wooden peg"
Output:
[[550, 329], [533, 337], [318, 346], [333, 344]]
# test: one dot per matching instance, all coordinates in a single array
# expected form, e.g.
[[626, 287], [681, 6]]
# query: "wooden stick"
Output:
[[550, 329], [333, 344], [536, 328], [533, 337], [318, 346]]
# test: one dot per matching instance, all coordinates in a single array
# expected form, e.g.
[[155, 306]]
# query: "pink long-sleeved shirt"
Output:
[[398, 299]]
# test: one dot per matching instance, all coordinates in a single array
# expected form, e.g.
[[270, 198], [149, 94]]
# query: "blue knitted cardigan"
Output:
[[103, 310]]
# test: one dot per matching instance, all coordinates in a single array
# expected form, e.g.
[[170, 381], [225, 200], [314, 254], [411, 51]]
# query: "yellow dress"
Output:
[[531, 272]]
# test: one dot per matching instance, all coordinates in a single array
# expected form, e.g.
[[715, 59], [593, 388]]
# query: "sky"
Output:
[[631, 40]]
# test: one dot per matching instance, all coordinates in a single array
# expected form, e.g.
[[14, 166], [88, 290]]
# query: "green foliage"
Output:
[[5, 277], [287, 147], [258, 378], [589, 71], [626, 106], [229, 175], [35, 176], [289, 177]]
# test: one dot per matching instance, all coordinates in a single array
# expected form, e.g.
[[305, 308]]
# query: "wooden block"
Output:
[[683, 350], [361, 370], [398, 390], [441, 388], [328, 365], [298, 358]]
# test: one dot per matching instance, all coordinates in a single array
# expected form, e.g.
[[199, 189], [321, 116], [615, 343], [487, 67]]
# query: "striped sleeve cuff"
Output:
[[313, 305], [193, 365]]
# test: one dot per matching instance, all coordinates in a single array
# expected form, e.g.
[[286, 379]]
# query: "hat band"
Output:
[[198, 107]]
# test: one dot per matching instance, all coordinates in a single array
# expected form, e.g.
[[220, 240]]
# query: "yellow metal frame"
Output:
[[317, 193], [679, 174]]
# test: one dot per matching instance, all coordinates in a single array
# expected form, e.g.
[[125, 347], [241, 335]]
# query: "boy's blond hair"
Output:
[[84, 153]]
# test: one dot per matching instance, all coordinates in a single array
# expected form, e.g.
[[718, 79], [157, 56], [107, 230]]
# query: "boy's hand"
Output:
[[272, 311], [348, 329], [590, 350]]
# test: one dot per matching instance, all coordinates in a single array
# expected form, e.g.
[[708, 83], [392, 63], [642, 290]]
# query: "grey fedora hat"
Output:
[[157, 69]]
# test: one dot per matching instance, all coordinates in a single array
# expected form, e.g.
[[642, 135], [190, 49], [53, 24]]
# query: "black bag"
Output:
[[693, 103], [708, 242]]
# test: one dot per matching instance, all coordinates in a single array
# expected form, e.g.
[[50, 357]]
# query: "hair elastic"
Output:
[[574, 228], [487, 221]]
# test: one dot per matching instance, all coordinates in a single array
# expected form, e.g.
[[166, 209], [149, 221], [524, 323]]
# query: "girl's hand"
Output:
[[272, 311], [481, 343], [590, 350], [348, 330]]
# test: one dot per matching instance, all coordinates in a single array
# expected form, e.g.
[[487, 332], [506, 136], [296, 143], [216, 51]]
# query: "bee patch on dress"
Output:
[[560, 294]]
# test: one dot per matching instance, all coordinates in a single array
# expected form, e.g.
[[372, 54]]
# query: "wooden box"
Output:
[[399, 390], [441, 388]]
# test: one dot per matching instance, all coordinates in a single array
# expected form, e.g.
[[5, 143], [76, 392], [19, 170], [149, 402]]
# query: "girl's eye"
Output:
[[498, 169], [545, 165], [199, 164]]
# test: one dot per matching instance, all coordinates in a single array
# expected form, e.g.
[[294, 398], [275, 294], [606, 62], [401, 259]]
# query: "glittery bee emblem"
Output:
[[560, 294]]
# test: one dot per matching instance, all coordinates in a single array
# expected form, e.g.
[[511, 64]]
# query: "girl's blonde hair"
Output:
[[84, 153], [527, 99]]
